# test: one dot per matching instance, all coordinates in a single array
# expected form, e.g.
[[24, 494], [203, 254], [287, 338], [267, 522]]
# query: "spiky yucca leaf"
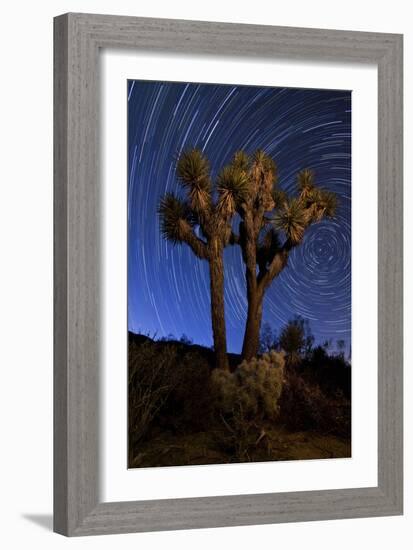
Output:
[[241, 160], [174, 216], [279, 197], [305, 180], [262, 160], [310, 198], [329, 203], [193, 167], [193, 171], [292, 219], [263, 174], [306, 186], [321, 203], [232, 187]]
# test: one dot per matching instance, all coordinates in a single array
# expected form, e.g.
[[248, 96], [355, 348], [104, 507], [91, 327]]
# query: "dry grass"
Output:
[[278, 443]]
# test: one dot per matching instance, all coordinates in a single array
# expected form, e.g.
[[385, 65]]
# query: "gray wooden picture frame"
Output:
[[78, 39]]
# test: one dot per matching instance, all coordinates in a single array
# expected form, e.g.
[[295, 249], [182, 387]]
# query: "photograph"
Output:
[[239, 273]]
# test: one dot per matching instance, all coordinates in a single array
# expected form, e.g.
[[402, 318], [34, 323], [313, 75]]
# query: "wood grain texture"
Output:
[[60, 277], [390, 273], [78, 39]]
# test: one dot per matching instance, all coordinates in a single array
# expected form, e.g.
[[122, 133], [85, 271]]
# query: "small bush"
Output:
[[168, 388], [304, 406], [151, 379], [331, 372], [255, 387], [189, 405], [244, 398]]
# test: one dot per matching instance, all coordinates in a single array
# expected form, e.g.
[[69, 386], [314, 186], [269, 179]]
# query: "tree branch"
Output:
[[234, 238], [258, 219], [188, 236], [275, 267]]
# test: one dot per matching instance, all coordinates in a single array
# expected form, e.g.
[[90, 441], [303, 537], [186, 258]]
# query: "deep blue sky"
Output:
[[168, 288]]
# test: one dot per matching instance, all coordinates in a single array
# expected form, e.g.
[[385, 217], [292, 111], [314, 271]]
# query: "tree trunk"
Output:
[[216, 272], [253, 325]]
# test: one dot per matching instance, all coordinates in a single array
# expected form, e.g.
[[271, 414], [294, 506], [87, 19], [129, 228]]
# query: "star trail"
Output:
[[168, 288]]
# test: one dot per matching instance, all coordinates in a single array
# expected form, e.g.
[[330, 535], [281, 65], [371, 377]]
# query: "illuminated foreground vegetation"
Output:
[[282, 405]]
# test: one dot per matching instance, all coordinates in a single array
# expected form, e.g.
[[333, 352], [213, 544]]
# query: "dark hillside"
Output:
[[182, 410]]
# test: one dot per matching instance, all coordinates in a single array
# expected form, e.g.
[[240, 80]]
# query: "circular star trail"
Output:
[[168, 288]]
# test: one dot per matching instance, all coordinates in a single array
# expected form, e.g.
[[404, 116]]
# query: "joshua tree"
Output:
[[271, 225], [202, 220], [293, 341]]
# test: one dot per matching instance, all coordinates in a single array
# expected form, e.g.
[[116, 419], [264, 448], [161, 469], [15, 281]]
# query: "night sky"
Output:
[[168, 288]]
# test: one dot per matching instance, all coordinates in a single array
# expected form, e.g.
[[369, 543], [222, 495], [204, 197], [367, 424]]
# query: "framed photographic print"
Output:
[[228, 274], [239, 260]]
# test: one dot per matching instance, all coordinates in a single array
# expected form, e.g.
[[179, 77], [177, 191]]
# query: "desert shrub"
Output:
[[151, 379], [244, 398], [168, 388], [331, 372], [296, 339], [189, 405], [292, 341], [304, 406], [255, 387]]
